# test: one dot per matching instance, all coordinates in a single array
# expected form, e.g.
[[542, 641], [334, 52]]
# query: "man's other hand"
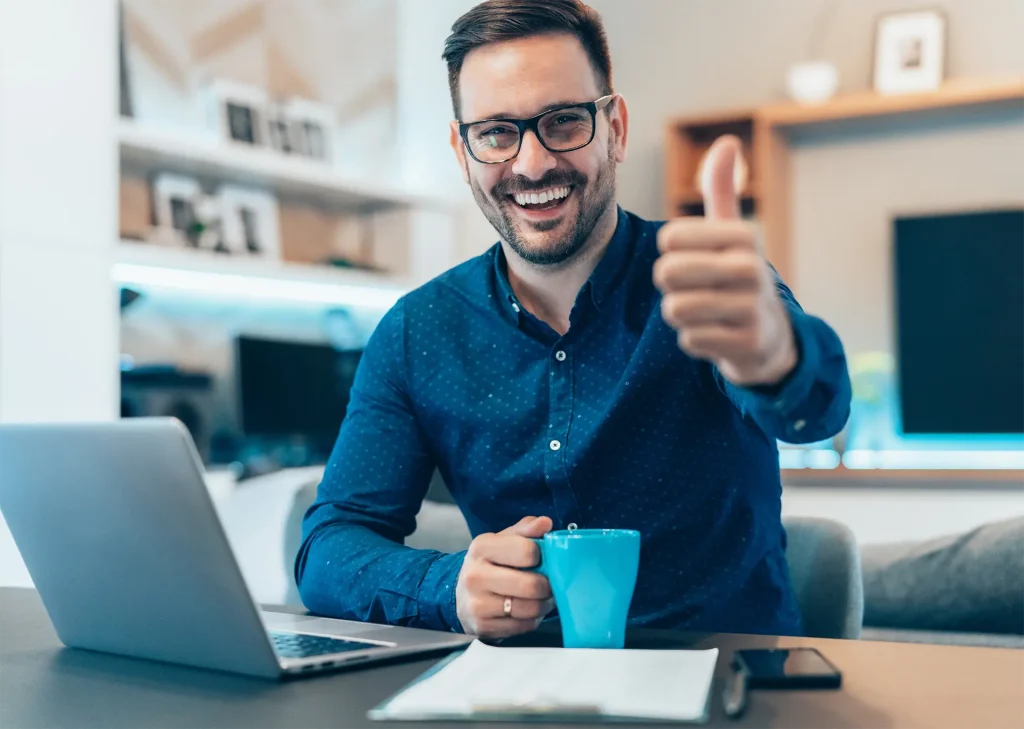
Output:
[[493, 573]]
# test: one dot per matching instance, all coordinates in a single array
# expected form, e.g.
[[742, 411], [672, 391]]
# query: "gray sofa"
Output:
[[965, 589]]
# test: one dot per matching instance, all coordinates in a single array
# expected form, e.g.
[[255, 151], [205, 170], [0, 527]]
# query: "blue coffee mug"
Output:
[[592, 574]]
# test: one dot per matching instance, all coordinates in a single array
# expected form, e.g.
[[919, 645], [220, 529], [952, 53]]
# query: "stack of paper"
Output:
[[486, 682]]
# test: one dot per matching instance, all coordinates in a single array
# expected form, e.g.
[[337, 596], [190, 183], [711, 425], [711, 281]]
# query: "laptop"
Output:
[[119, 533]]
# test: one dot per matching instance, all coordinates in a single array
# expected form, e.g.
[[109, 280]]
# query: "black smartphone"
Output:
[[787, 668]]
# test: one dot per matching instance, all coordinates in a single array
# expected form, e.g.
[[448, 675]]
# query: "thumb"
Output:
[[718, 181], [531, 526]]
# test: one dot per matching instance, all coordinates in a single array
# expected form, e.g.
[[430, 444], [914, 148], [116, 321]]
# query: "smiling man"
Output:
[[591, 368]]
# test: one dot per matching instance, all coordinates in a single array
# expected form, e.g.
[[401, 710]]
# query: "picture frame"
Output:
[[312, 125], [910, 52], [250, 225], [176, 198], [240, 112]]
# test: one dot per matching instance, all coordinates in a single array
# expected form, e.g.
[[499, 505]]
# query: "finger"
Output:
[[505, 549], [718, 342], [531, 527], [514, 583], [718, 179], [505, 627], [686, 233], [696, 307], [707, 270]]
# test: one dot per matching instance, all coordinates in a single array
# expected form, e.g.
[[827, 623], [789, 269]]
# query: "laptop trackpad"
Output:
[[319, 626]]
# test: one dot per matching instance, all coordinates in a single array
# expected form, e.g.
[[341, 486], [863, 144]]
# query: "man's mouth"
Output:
[[548, 199]]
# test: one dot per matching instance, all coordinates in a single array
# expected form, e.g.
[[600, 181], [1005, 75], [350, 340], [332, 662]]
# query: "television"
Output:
[[288, 389], [959, 321]]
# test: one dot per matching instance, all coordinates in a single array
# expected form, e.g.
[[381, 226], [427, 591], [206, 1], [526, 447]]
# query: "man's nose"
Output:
[[533, 160]]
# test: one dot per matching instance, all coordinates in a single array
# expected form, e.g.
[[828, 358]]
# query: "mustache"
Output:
[[552, 178]]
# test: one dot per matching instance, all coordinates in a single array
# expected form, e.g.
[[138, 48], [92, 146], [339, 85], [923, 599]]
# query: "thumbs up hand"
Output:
[[718, 291]]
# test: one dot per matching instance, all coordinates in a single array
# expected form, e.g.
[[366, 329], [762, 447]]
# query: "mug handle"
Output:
[[539, 569]]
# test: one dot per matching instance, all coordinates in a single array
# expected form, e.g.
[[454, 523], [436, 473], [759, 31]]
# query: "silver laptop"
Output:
[[121, 538]]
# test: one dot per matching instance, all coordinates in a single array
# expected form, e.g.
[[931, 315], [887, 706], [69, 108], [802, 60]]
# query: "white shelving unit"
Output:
[[238, 278], [147, 149]]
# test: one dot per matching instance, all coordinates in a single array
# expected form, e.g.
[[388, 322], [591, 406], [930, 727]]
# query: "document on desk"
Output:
[[490, 683]]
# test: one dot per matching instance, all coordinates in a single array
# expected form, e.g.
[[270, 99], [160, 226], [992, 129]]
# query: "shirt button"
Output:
[[560, 356], [515, 307], [799, 425], [554, 445]]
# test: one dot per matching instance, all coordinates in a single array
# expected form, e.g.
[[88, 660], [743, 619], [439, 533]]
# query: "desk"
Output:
[[884, 685]]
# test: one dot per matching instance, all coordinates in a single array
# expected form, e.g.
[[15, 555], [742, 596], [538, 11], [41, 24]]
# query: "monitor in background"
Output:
[[289, 389], [959, 298]]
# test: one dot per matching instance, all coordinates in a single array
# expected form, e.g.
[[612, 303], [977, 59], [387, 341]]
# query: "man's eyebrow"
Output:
[[543, 110]]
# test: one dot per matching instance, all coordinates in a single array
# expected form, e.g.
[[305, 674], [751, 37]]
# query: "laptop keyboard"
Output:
[[299, 645]]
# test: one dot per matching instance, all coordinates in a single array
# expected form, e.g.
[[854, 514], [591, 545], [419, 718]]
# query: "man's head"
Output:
[[545, 62]]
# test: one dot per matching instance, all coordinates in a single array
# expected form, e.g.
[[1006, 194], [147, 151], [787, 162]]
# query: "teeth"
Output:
[[534, 198]]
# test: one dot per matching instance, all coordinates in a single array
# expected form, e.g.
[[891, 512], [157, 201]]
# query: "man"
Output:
[[592, 368]]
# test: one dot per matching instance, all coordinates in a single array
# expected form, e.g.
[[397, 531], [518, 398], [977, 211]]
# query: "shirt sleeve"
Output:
[[812, 402], [352, 563]]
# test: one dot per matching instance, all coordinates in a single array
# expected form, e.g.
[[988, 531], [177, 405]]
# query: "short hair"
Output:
[[494, 21]]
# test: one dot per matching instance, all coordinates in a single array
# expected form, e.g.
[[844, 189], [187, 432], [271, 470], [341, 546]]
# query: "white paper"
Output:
[[643, 684]]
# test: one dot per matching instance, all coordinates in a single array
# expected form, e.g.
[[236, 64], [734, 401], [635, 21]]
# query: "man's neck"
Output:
[[549, 292]]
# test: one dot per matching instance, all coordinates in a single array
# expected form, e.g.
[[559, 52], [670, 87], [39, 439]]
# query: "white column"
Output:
[[58, 217], [424, 158]]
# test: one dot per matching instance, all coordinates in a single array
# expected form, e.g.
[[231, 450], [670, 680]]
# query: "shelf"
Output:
[[953, 94], [909, 478], [200, 272], [154, 150]]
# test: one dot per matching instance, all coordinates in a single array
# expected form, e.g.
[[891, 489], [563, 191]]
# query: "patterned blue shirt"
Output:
[[608, 426]]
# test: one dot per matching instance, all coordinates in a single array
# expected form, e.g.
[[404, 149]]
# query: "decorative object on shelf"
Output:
[[910, 50], [239, 111], [813, 82], [312, 125], [250, 222], [282, 130], [176, 199]]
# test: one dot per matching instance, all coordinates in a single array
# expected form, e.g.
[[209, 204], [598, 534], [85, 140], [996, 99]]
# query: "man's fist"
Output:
[[718, 291], [490, 576]]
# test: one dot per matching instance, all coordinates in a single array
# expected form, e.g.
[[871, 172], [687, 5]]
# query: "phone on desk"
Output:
[[787, 668]]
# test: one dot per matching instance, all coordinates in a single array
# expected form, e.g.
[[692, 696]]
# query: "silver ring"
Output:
[[507, 607]]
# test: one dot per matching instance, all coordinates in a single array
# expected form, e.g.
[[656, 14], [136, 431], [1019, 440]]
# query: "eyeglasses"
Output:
[[493, 141]]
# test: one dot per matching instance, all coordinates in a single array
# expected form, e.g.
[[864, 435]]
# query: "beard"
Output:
[[593, 200]]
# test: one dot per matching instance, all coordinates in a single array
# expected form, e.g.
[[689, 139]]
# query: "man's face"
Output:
[[520, 79]]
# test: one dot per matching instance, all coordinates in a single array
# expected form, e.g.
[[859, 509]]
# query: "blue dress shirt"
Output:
[[608, 426]]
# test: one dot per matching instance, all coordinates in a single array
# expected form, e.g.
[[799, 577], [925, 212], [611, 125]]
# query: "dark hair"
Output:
[[494, 21]]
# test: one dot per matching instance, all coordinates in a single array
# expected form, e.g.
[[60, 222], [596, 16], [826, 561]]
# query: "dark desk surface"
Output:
[[43, 684]]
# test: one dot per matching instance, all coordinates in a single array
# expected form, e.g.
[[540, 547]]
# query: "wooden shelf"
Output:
[[863, 105], [764, 132], [146, 151], [146, 264], [867, 477]]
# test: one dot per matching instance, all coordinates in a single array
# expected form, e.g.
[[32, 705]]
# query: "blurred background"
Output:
[[207, 205]]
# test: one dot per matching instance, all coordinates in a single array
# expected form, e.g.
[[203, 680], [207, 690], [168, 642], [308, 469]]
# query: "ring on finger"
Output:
[[507, 607]]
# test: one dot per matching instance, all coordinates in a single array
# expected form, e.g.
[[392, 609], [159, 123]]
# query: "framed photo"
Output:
[[249, 222], [910, 52], [240, 112], [312, 125], [176, 200]]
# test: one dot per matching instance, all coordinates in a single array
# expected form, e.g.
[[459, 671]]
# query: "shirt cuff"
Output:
[[435, 600], [786, 396]]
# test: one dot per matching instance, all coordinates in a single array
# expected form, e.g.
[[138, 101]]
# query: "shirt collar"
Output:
[[601, 282]]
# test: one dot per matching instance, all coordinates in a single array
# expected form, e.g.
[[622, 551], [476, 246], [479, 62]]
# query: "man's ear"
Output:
[[455, 139], [618, 122]]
